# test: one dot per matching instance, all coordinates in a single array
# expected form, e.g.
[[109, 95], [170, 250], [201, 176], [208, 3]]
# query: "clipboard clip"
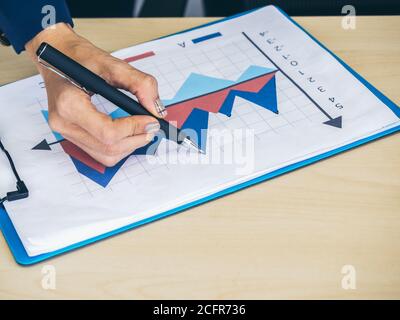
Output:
[[22, 191], [63, 75]]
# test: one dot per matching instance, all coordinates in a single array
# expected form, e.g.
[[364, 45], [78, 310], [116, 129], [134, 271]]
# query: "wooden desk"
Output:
[[285, 238]]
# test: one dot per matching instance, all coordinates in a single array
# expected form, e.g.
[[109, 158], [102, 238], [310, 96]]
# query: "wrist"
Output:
[[60, 36], [55, 35]]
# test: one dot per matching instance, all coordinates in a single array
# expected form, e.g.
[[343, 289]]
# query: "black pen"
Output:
[[90, 82]]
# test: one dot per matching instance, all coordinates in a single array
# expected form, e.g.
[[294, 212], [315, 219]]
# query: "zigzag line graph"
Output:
[[194, 101], [198, 96]]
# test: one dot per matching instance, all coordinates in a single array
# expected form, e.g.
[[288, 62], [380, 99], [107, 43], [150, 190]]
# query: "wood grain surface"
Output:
[[285, 238]]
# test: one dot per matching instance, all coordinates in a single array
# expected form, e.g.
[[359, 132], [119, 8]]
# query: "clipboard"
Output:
[[21, 256]]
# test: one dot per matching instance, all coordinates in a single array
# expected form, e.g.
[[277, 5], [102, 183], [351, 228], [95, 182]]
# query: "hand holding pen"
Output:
[[72, 113]]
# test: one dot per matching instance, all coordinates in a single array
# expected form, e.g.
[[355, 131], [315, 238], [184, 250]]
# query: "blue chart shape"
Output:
[[197, 123], [102, 179], [197, 84], [265, 98], [207, 37]]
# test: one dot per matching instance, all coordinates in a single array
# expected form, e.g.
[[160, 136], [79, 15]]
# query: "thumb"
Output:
[[134, 125]]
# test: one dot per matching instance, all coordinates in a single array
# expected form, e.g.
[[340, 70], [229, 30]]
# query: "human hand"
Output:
[[71, 112]]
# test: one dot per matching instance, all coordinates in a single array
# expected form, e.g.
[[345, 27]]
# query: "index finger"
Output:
[[144, 86], [79, 110]]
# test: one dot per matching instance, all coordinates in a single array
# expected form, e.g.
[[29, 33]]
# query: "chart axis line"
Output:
[[335, 122]]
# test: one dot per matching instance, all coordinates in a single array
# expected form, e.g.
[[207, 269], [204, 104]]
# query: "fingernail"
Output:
[[160, 108], [149, 137], [152, 127]]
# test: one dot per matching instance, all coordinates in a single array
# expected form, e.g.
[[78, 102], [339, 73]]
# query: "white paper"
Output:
[[66, 207]]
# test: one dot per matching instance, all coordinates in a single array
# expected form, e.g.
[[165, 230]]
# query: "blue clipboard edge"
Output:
[[22, 258]]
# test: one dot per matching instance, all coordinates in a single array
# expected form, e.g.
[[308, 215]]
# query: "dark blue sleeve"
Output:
[[21, 20]]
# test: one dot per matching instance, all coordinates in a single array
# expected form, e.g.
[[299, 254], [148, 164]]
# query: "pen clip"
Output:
[[63, 75]]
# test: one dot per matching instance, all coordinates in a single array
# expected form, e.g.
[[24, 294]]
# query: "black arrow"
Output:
[[334, 122], [44, 145]]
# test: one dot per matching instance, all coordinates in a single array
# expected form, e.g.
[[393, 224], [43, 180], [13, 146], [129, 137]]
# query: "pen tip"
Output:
[[190, 144]]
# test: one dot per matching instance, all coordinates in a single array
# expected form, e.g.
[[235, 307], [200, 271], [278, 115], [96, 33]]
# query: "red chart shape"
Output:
[[78, 154], [140, 56], [212, 102]]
